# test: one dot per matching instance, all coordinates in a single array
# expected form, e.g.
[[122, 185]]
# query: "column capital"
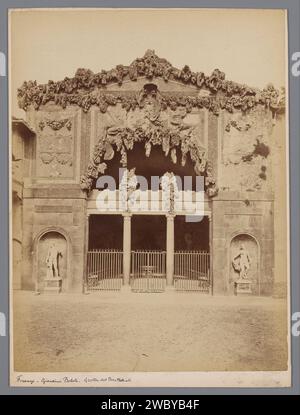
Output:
[[127, 215], [170, 216]]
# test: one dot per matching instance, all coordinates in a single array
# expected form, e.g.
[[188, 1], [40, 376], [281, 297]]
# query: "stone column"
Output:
[[126, 247], [170, 249], [210, 255], [85, 252]]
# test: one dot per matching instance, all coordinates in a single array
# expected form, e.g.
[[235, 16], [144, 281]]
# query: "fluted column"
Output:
[[126, 247], [170, 249]]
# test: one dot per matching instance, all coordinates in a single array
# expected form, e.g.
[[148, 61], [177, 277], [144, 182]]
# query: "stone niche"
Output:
[[251, 247], [44, 244]]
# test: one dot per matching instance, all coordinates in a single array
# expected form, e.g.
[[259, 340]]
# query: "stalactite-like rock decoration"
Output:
[[152, 130], [87, 88], [123, 139]]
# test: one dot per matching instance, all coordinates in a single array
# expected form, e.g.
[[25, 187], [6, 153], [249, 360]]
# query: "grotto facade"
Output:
[[152, 119]]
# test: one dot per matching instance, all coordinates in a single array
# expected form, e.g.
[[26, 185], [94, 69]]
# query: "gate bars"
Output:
[[148, 271], [105, 269], [191, 271]]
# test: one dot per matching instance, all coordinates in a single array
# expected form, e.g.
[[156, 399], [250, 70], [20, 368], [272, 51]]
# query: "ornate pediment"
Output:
[[87, 88]]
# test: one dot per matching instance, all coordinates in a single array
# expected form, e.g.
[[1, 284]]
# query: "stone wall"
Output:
[[236, 214], [52, 198], [47, 215], [228, 129]]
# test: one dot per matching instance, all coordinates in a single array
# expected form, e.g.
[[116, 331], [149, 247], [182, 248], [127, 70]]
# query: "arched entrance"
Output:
[[165, 150]]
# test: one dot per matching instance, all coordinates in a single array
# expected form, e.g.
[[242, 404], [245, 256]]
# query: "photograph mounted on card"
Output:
[[149, 198]]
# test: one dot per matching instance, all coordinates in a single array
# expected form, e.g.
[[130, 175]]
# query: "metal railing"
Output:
[[148, 271], [192, 271], [104, 269]]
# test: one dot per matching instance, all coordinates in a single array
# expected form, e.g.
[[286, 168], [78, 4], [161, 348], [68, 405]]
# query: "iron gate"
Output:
[[148, 271], [104, 269], [191, 271]]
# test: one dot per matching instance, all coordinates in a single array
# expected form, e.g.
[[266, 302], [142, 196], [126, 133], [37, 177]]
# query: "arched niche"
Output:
[[42, 246], [251, 246]]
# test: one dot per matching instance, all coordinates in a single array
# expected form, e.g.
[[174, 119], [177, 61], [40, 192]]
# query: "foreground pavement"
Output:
[[148, 332]]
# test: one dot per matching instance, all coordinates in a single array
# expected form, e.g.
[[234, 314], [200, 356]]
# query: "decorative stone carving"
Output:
[[245, 151], [210, 181], [241, 263], [169, 191], [149, 99], [153, 126], [55, 147], [52, 263], [41, 125], [244, 265], [128, 186], [86, 89], [56, 124], [55, 152], [238, 126]]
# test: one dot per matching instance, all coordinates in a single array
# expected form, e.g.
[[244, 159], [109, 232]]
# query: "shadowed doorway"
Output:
[[148, 232], [106, 232]]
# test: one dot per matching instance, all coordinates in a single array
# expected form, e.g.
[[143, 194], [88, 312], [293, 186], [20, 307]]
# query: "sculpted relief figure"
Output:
[[170, 191], [128, 187], [52, 261], [241, 263]]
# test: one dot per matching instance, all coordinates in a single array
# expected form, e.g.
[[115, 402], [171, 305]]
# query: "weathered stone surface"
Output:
[[93, 123]]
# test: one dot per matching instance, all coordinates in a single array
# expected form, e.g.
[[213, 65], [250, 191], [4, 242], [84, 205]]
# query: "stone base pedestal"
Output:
[[242, 287], [53, 285], [126, 289]]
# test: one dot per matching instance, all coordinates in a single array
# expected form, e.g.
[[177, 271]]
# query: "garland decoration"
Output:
[[87, 88]]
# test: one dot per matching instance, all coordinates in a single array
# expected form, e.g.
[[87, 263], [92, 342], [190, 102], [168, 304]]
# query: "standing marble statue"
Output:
[[52, 261], [241, 263]]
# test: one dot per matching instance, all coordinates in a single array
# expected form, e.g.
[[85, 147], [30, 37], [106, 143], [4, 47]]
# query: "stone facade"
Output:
[[233, 135], [21, 133]]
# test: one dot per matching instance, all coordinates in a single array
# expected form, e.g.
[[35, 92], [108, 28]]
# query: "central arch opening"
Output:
[[157, 164]]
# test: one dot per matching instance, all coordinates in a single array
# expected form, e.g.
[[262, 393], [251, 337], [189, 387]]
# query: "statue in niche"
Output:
[[241, 263], [52, 261]]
